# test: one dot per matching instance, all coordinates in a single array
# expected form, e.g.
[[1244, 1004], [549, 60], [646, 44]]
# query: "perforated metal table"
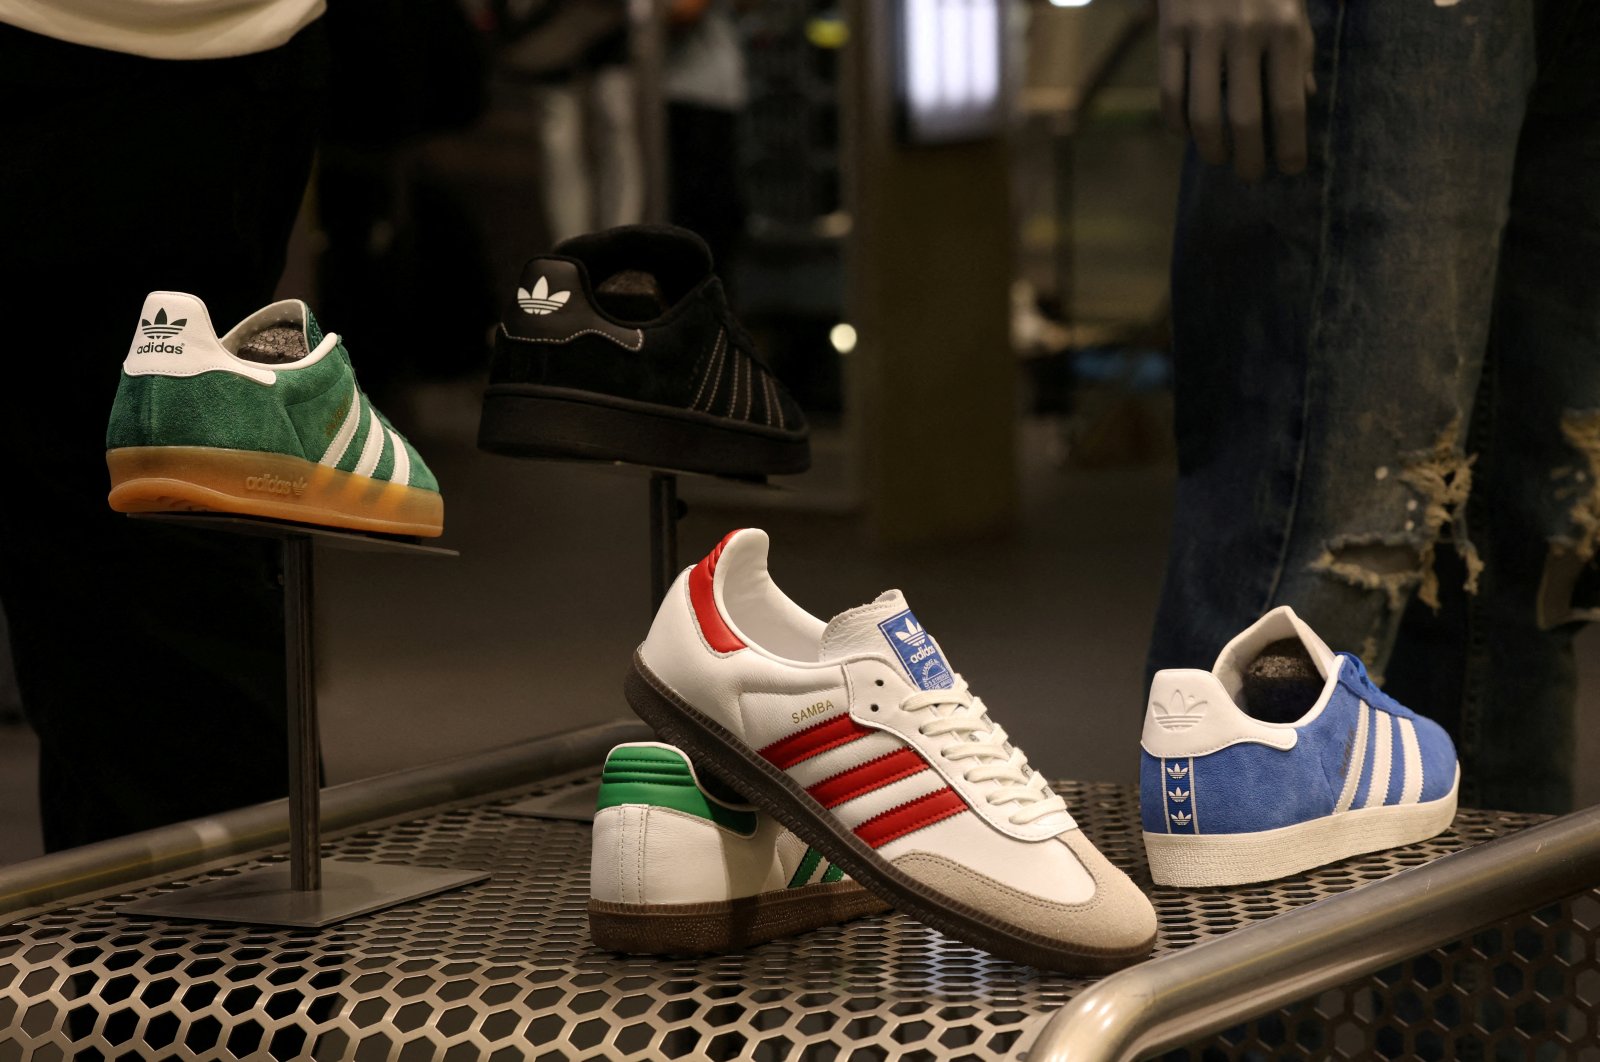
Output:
[[504, 970]]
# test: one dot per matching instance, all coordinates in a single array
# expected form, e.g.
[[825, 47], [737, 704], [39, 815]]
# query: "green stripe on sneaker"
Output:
[[808, 866], [662, 778], [832, 874]]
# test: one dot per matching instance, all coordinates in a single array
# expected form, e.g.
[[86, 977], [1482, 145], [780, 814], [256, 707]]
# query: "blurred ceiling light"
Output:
[[843, 337], [949, 69], [824, 32], [1069, 3]]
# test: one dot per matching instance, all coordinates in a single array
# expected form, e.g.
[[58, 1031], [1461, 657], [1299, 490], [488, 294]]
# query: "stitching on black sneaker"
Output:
[[716, 373], [638, 345], [711, 360]]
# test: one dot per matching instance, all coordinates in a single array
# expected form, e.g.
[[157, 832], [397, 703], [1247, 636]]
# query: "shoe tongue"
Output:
[[887, 623], [277, 334]]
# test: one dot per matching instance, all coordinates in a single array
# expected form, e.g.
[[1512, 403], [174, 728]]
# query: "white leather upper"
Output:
[[194, 347], [1046, 869], [864, 675], [764, 697], [191, 351], [1193, 713], [644, 854]]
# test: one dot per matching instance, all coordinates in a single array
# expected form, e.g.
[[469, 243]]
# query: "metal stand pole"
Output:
[[648, 37], [664, 514], [305, 788], [310, 892]]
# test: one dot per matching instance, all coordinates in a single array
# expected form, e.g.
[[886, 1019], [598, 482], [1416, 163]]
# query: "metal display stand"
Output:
[[509, 971], [310, 892]]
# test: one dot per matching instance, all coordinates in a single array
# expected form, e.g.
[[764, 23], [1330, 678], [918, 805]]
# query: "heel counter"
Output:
[[130, 423], [181, 387], [616, 857], [553, 334]]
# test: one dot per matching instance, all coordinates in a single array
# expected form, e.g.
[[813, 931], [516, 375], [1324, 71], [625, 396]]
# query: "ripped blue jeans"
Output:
[[1388, 377]]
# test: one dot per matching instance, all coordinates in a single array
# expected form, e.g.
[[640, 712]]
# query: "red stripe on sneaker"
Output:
[[874, 774], [911, 817], [702, 579], [813, 741]]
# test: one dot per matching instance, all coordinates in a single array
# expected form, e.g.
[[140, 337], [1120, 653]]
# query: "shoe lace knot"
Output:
[[985, 752]]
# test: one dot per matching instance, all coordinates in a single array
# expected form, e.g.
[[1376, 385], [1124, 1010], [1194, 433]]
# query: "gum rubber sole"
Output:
[[726, 925], [160, 479], [1199, 861], [526, 420], [708, 742]]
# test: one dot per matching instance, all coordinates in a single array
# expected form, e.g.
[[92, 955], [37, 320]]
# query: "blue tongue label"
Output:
[[918, 652]]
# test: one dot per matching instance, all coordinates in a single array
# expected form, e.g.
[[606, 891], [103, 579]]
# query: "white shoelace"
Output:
[[959, 712]]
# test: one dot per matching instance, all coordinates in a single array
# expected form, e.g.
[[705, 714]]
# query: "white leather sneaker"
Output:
[[678, 870], [859, 736]]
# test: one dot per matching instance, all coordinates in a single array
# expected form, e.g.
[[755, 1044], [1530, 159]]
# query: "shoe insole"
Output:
[[275, 345], [631, 295], [1280, 683]]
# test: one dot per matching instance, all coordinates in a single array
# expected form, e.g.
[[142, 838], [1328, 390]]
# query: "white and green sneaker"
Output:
[[678, 870], [266, 421]]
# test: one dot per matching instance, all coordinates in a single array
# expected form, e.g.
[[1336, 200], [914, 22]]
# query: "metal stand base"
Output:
[[308, 892], [268, 898]]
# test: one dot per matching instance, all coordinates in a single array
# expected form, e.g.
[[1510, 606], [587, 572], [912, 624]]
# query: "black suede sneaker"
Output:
[[620, 346]]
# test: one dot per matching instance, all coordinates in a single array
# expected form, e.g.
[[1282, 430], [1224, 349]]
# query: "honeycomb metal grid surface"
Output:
[[1528, 988], [504, 970]]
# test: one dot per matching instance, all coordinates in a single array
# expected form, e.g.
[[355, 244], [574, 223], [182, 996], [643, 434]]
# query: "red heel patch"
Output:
[[702, 579]]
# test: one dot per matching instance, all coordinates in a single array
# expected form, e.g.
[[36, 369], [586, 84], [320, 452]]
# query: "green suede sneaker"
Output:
[[266, 421]]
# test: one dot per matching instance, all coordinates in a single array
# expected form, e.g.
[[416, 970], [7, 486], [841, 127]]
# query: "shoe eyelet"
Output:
[[879, 681], [874, 707]]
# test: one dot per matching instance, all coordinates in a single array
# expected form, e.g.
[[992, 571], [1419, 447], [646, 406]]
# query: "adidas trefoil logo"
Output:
[[1179, 713], [912, 633], [161, 328], [1179, 794], [1181, 818], [541, 300], [1177, 771]]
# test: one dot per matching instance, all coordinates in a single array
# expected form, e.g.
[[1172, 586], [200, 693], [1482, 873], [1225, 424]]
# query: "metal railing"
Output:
[[82, 872], [1172, 1000]]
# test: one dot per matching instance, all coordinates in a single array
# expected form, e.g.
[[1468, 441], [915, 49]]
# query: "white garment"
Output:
[[167, 29], [588, 187], [705, 63]]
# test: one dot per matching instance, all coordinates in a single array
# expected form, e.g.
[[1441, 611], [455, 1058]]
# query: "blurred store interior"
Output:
[[1026, 518]]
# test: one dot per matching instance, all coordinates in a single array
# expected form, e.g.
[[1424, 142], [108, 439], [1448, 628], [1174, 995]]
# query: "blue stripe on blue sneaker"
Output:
[[1397, 769], [1365, 787]]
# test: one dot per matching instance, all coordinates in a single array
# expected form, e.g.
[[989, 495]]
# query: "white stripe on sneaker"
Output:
[[372, 450], [825, 765], [401, 473], [1358, 759], [1382, 754], [347, 430], [1411, 792], [853, 813]]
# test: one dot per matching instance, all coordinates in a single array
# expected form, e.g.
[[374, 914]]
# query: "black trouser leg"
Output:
[[150, 661]]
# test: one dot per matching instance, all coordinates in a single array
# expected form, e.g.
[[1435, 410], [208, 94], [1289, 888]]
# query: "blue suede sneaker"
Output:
[[1283, 757]]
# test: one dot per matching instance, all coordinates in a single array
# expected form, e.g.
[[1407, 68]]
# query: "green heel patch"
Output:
[[643, 774]]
